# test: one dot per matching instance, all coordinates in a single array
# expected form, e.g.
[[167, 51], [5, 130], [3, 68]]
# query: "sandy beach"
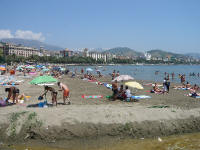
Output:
[[94, 118]]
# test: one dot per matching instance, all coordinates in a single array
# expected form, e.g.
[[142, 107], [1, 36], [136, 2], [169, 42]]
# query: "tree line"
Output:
[[79, 60]]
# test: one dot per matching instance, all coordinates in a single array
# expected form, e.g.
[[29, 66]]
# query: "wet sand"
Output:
[[97, 118]]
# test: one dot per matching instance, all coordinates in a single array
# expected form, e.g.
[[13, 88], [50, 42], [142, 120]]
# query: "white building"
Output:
[[19, 50], [95, 55], [147, 56]]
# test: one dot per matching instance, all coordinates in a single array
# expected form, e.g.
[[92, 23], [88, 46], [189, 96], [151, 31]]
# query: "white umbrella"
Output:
[[89, 69], [123, 78]]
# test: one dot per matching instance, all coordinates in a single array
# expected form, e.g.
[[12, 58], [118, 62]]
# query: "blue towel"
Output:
[[140, 97]]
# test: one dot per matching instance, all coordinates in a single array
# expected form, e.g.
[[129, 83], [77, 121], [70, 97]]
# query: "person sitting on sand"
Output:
[[156, 89], [53, 94], [22, 97], [121, 92], [115, 90], [128, 94], [195, 88], [73, 75], [12, 92], [187, 86], [65, 90]]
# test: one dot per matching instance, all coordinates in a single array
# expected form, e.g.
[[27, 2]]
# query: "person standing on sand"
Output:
[[12, 92], [65, 90], [115, 90]]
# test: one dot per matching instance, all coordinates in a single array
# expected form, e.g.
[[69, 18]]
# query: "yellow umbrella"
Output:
[[134, 84]]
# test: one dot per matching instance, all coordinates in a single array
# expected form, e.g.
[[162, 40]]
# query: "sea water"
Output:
[[176, 142], [147, 72]]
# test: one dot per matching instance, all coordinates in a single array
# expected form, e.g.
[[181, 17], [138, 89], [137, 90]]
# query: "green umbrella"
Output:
[[43, 80]]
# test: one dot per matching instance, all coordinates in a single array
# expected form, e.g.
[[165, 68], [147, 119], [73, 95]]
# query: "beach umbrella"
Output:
[[19, 68], [2, 68], [62, 69], [38, 66], [45, 69], [98, 70], [30, 67], [134, 84], [123, 78], [43, 80], [89, 69]]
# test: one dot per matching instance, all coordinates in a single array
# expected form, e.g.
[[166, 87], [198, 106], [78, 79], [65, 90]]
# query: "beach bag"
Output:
[[40, 98], [194, 95], [2, 103]]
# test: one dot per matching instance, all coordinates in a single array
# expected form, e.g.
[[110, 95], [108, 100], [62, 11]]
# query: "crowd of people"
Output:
[[119, 92]]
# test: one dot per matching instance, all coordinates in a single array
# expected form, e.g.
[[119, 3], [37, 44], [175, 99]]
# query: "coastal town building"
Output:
[[147, 56], [95, 55], [66, 53], [19, 50]]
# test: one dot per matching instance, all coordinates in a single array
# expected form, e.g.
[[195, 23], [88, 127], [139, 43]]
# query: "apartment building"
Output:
[[19, 50]]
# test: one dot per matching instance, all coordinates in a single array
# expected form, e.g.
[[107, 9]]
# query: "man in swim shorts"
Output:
[[115, 90], [65, 90]]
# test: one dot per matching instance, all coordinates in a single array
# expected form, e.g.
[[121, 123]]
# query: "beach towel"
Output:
[[109, 86], [159, 106], [92, 80], [46, 84], [141, 97], [181, 88], [92, 96]]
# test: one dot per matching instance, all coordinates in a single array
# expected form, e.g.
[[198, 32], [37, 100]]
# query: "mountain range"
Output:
[[31, 43], [121, 51], [124, 51]]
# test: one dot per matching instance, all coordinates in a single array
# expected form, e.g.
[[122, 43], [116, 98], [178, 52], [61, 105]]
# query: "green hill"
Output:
[[123, 51], [164, 54]]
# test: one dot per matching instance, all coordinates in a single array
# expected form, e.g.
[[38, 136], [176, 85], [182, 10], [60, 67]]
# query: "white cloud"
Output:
[[29, 35], [22, 34], [5, 34]]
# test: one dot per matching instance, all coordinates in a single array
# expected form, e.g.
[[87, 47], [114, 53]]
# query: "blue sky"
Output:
[[171, 25]]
